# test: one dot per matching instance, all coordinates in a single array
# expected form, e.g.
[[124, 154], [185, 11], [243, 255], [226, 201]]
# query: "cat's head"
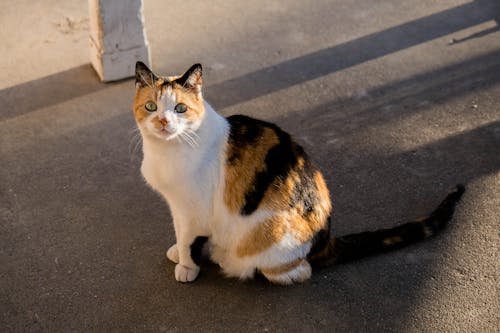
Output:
[[168, 107]]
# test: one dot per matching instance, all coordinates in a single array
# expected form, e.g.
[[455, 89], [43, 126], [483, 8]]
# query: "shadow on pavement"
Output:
[[50, 90], [82, 80], [401, 99], [95, 240], [357, 51], [86, 237]]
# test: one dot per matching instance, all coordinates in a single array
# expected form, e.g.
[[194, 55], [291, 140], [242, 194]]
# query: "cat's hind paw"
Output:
[[186, 274], [173, 254], [293, 272]]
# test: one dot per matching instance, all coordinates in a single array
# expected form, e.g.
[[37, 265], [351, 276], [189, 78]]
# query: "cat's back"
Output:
[[266, 168]]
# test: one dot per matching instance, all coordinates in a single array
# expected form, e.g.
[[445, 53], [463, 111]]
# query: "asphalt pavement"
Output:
[[396, 101]]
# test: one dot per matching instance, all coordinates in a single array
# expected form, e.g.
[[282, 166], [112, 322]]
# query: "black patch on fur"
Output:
[[305, 192], [196, 248], [243, 132], [166, 83], [279, 160], [357, 246], [196, 69], [320, 239], [143, 75]]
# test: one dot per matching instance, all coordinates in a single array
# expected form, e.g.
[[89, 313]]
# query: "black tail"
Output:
[[356, 246]]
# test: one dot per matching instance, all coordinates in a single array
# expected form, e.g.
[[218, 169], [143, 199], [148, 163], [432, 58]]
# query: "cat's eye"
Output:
[[150, 106], [180, 108]]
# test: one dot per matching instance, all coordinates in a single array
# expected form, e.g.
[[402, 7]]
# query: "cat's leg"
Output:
[[297, 270], [187, 236], [199, 248], [186, 269], [173, 254]]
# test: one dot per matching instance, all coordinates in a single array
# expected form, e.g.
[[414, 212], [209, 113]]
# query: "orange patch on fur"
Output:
[[297, 270], [262, 237], [392, 240], [323, 191], [271, 231], [277, 197], [324, 207], [194, 103], [240, 173], [142, 96], [302, 225], [284, 268]]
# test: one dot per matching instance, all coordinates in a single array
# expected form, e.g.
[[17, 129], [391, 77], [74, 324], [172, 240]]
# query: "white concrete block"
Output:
[[117, 38]]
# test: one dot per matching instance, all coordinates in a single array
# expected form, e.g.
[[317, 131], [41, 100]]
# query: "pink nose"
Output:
[[163, 121]]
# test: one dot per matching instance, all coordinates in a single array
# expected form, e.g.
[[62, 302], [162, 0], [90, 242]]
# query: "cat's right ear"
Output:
[[144, 77]]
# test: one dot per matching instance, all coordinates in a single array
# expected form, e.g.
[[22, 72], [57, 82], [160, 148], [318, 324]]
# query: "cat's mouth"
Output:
[[164, 133]]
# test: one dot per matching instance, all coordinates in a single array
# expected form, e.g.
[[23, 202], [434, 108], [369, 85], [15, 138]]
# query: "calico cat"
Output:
[[245, 186]]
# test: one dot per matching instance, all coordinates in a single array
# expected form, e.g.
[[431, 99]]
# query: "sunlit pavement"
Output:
[[396, 101]]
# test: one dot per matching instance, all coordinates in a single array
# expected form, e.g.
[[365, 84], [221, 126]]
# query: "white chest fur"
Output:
[[187, 176]]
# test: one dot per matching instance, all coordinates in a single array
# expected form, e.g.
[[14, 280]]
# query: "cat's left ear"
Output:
[[192, 78], [144, 77]]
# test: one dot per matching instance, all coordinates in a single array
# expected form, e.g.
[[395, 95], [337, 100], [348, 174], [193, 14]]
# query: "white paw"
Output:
[[173, 254], [186, 274]]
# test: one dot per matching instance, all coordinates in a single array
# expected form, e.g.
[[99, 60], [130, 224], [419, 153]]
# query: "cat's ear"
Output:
[[192, 78], [144, 77]]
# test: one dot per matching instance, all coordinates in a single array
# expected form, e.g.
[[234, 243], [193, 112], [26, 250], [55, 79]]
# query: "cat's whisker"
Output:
[[188, 139], [190, 131], [182, 137], [193, 140], [189, 142], [188, 134], [135, 142], [138, 144], [133, 137]]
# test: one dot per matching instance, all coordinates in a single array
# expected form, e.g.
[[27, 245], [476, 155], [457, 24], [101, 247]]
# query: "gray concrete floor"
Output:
[[397, 101]]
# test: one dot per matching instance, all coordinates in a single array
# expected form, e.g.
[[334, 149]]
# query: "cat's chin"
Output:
[[163, 134]]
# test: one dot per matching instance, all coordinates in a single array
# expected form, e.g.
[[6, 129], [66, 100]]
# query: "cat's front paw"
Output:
[[173, 254], [186, 274]]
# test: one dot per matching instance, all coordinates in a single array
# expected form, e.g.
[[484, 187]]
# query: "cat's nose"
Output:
[[163, 121]]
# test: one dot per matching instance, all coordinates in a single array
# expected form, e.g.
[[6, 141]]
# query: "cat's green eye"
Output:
[[180, 108], [150, 106]]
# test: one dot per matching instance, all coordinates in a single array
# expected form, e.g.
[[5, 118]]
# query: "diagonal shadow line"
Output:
[[342, 56], [407, 96], [81, 80], [50, 90], [452, 146], [465, 155], [455, 148], [477, 35], [460, 158], [394, 319]]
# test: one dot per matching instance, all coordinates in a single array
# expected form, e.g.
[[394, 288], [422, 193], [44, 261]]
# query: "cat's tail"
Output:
[[356, 246]]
